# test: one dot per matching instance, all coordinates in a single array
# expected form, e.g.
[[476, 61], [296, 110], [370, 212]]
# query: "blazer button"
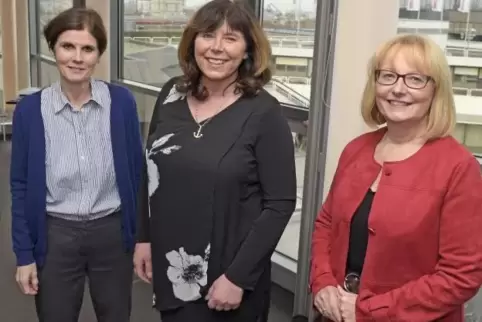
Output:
[[371, 231]]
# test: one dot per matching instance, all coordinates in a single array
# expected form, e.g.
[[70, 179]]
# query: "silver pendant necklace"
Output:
[[197, 134]]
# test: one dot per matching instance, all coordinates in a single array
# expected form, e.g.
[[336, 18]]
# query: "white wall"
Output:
[[362, 27]]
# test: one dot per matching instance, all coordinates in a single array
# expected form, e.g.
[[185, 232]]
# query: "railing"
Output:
[[463, 52], [290, 93], [467, 91], [297, 80], [283, 42]]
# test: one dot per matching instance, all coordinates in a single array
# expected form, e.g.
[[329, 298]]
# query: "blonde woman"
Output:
[[399, 235]]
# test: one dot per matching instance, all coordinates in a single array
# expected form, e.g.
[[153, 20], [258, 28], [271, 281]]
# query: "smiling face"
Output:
[[399, 100], [76, 54], [219, 53]]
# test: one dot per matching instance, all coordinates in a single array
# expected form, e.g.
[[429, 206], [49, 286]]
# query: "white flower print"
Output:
[[152, 170], [187, 273], [173, 96], [170, 149], [153, 176]]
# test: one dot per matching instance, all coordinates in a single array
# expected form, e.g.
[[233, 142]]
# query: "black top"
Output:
[[218, 204], [359, 235]]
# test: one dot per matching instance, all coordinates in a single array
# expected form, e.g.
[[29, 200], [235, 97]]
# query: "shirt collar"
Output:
[[64, 101]]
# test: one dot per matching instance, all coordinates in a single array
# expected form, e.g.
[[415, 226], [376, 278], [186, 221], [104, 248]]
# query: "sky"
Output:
[[282, 5]]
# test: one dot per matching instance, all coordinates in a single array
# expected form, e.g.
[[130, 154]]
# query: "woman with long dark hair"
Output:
[[219, 184]]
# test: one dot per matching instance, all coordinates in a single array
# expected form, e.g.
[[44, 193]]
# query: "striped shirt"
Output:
[[80, 176]]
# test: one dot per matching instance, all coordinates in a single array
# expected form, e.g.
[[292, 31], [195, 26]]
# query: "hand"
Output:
[[224, 295], [27, 279], [327, 303], [347, 305], [142, 261]]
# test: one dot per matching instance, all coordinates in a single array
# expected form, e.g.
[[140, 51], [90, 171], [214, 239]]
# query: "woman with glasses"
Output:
[[399, 235]]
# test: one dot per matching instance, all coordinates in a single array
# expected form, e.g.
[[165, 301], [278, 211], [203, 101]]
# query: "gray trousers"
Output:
[[80, 250]]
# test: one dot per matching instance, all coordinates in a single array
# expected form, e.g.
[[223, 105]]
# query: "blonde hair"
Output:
[[428, 57]]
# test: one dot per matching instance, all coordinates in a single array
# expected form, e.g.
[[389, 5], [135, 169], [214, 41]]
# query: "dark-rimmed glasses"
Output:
[[411, 80]]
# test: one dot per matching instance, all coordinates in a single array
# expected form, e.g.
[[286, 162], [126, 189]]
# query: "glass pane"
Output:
[[48, 73], [152, 30], [458, 30], [145, 107], [48, 9], [290, 26]]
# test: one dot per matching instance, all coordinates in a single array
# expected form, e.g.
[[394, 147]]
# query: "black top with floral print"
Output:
[[215, 204]]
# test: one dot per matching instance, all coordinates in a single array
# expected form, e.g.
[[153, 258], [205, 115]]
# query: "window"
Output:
[[460, 35], [145, 104], [49, 73], [152, 31], [48, 9], [290, 26], [465, 77]]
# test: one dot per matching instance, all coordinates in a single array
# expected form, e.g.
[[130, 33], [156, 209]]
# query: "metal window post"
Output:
[[257, 7], [326, 15], [116, 40]]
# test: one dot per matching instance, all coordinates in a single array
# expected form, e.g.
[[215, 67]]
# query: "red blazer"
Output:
[[424, 255]]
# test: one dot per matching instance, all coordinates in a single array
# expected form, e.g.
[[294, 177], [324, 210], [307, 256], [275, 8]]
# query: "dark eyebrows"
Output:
[[68, 43], [233, 33], [63, 43], [91, 47]]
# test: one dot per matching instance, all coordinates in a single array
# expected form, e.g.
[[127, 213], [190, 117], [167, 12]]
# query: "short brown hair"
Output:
[[76, 19], [253, 73], [429, 58]]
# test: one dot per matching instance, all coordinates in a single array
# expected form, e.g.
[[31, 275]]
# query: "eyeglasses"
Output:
[[411, 80], [351, 283]]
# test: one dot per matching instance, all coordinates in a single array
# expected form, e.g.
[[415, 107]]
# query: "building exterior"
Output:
[[159, 8]]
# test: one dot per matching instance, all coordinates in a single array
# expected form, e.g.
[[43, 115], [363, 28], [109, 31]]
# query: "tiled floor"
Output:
[[15, 307]]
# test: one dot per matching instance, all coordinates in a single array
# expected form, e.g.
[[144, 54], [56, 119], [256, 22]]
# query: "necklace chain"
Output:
[[197, 134]]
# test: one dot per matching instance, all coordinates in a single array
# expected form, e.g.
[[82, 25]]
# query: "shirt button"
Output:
[[388, 172]]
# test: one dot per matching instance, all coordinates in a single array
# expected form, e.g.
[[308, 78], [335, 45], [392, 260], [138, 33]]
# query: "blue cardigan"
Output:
[[28, 179]]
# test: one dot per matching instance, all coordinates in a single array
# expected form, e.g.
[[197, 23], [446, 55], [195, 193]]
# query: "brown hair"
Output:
[[253, 73], [76, 19]]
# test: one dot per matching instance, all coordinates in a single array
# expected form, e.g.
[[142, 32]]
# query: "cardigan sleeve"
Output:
[[274, 153], [136, 142], [321, 274], [458, 273], [22, 242], [143, 230]]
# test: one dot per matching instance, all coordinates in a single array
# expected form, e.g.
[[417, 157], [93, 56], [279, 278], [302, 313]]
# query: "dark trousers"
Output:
[[200, 312], [77, 250]]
